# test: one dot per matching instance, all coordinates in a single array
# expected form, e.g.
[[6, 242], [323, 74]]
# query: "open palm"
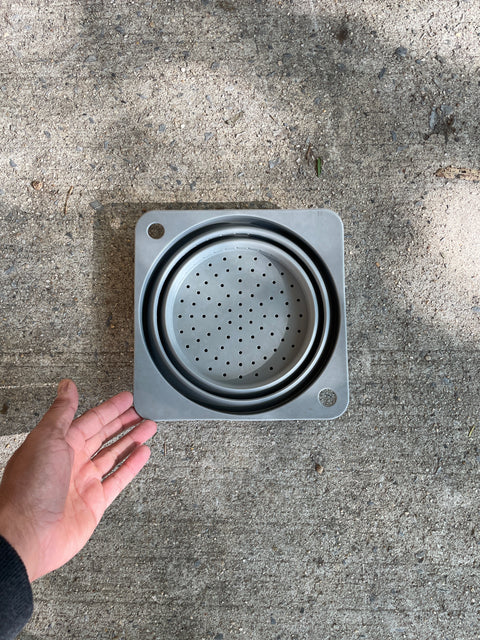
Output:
[[58, 484]]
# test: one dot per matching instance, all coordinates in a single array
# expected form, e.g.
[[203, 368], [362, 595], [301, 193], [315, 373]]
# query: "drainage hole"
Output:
[[300, 315], [181, 330], [253, 361], [187, 346], [197, 359], [179, 316], [224, 259], [209, 298], [240, 328], [327, 397], [287, 328], [206, 282], [222, 285], [291, 286], [224, 375], [240, 364], [258, 346], [198, 293], [256, 375], [209, 334], [288, 314], [240, 304], [191, 315], [182, 300], [255, 258], [264, 357], [198, 340], [227, 362], [240, 315], [228, 337], [274, 282], [227, 270], [271, 297], [271, 368], [240, 280], [205, 350], [240, 353], [197, 274], [252, 337], [258, 284], [261, 304], [194, 304], [240, 339], [210, 368], [240, 377], [230, 322], [228, 295], [276, 315], [284, 358], [219, 328], [216, 358], [215, 275], [156, 231], [271, 333], [222, 347], [239, 293], [252, 270]]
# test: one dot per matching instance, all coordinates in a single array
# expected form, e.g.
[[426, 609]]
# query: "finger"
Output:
[[61, 413], [107, 459], [95, 419], [117, 481], [112, 429]]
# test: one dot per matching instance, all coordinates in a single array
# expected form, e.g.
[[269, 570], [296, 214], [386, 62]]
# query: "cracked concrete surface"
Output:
[[113, 108]]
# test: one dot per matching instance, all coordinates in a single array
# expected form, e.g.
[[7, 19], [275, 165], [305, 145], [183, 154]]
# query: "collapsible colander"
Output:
[[240, 315]]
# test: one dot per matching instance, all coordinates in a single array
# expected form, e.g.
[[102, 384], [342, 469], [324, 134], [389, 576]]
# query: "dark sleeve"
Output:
[[16, 600]]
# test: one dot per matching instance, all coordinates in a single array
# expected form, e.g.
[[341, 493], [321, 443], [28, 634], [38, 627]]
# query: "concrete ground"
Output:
[[231, 532]]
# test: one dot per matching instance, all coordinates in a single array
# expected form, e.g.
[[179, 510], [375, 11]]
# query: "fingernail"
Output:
[[63, 387]]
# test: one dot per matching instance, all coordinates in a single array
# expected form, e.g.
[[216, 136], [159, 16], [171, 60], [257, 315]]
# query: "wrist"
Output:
[[17, 536]]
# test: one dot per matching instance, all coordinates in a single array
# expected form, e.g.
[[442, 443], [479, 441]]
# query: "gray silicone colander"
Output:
[[240, 314]]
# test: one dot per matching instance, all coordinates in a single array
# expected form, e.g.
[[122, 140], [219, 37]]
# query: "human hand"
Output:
[[59, 482]]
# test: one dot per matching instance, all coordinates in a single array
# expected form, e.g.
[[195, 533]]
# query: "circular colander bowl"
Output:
[[240, 319]]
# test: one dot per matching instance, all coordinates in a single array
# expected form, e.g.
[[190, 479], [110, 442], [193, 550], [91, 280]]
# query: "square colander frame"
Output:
[[240, 315]]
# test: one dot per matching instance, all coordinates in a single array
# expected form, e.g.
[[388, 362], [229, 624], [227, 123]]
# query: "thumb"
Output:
[[63, 409]]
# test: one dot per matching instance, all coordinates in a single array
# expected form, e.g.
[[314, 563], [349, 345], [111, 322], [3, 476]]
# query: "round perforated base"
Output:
[[238, 318]]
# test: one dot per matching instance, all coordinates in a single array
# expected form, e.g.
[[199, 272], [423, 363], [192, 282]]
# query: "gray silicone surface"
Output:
[[240, 314]]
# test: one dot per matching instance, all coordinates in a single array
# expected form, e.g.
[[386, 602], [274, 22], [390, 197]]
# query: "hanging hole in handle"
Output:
[[156, 231], [327, 397]]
